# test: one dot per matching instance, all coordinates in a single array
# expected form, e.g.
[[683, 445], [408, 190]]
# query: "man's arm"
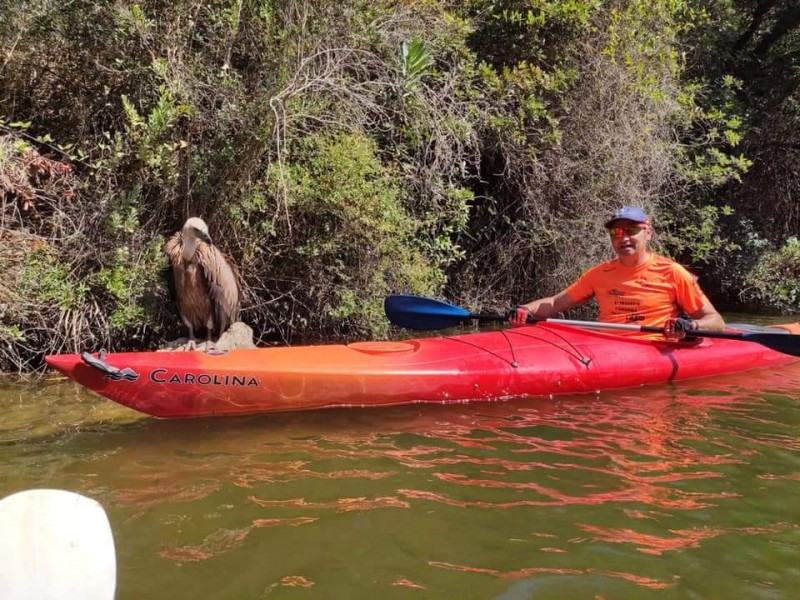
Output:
[[708, 318], [550, 306], [689, 294]]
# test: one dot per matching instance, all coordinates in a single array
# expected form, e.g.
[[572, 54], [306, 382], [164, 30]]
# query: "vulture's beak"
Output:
[[204, 236]]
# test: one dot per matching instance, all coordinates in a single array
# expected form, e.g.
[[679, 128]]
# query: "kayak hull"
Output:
[[538, 360]]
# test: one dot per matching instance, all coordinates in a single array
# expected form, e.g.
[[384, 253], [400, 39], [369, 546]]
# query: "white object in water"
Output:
[[55, 544]]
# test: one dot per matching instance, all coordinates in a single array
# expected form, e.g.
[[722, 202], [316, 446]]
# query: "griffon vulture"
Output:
[[206, 282]]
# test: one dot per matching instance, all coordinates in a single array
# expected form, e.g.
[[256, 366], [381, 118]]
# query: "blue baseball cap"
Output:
[[631, 213]]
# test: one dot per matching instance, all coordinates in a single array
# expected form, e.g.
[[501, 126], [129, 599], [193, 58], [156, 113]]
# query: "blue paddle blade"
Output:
[[416, 312]]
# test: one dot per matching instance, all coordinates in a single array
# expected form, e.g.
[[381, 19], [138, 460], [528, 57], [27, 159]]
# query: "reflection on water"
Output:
[[685, 491], [53, 407]]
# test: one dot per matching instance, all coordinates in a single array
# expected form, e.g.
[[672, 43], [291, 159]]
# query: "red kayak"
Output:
[[537, 360]]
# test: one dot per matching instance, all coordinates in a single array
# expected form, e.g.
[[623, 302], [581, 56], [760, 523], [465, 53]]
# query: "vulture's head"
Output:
[[196, 228]]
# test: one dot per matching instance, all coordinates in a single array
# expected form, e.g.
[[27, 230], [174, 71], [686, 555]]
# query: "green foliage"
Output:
[[774, 281], [526, 56], [12, 333], [417, 61], [359, 242], [712, 116], [132, 20], [641, 36], [49, 281], [123, 213], [130, 282], [698, 235], [156, 148], [444, 225]]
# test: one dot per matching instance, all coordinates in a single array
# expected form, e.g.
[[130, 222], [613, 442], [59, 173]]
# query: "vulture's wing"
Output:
[[223, 284], [172, 248]]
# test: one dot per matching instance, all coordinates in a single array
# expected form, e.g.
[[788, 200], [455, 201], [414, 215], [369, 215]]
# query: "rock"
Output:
[[238, 336]]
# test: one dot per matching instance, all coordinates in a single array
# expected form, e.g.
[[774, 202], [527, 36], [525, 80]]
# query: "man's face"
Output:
[[629, 238]]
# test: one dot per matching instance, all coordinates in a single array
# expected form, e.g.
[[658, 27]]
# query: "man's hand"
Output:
[[677, 329], [519, 316]]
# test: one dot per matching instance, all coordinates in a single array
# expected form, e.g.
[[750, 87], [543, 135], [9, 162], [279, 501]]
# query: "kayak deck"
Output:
[[543, 359]]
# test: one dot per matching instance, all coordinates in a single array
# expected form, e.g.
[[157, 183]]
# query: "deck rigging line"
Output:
[[576, 354], [572, 351]]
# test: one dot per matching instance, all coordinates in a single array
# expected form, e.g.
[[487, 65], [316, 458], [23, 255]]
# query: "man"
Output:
[[638, 287]]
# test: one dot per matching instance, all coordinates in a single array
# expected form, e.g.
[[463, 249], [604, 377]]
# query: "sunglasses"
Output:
[[618, 232]]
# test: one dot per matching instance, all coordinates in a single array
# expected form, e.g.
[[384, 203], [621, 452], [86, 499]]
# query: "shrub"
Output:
[[358, 243], [774, 281]]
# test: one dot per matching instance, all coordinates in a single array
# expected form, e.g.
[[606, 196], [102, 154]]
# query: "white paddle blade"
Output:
[[55, 544]]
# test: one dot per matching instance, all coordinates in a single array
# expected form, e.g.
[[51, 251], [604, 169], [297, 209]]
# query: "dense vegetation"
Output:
[[344, 150]]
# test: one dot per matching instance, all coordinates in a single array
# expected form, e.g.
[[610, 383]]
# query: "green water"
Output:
[[682, 491]]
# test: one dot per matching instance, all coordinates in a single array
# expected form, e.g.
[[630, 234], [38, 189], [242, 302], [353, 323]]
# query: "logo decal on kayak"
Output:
[[164, 376], [110, 371]]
